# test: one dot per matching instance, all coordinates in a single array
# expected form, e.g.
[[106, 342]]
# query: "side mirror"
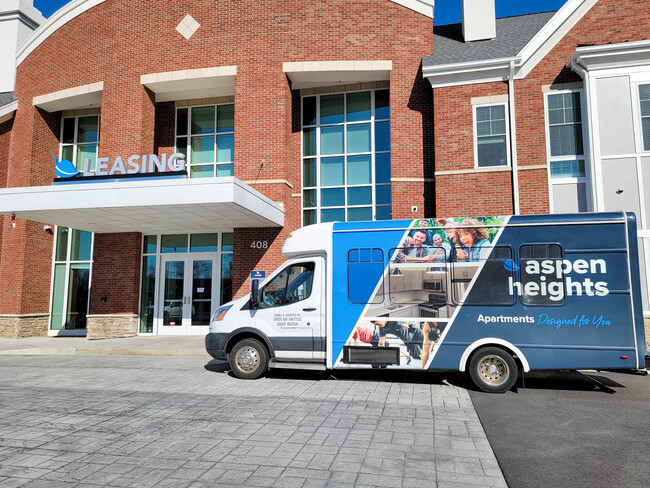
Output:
[[255, 294]]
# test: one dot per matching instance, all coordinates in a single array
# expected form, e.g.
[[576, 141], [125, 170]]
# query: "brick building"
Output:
[[551, 113], [204, 132]]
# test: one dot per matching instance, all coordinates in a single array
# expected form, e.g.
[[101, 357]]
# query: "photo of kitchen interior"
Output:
[[427, 290]]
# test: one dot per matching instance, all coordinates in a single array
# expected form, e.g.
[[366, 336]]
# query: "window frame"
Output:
[[189, 136], [68, 263], [263, 305], [458, 301], [570, 157], [521, 298], [317, 156], [637, 99], [476, 136], [75, 145]]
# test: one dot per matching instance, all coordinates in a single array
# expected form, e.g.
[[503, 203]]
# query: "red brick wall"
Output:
[[471, 193], [25, 268], [116, 273], [608, 21], [5, 140], [133, 38], [165, 123], [255, 258]]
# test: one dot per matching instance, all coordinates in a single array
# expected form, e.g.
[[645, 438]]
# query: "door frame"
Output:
[[186, 327]]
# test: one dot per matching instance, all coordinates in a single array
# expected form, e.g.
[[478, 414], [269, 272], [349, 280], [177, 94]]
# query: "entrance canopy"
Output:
[[149, 206]]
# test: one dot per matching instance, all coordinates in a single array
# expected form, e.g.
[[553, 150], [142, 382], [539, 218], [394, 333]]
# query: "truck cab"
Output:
[[282, 322]]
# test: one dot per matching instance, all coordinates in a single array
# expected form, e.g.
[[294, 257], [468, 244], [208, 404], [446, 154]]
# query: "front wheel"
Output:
[[493, 370], [249, 359]]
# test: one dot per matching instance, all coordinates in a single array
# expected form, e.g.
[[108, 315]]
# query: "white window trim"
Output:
[[317, 156], [68, 263], [475, 133], [189, 136], [636, 113], [571, 157], [75, 145]]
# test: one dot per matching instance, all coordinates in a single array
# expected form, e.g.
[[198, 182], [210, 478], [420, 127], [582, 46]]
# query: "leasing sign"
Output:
[[147, 164]]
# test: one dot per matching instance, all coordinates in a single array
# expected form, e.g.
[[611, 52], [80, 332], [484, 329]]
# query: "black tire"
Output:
[[493, 370], [249, 359]]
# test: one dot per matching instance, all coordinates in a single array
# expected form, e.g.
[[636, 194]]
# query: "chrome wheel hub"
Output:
[[493, 370], [247, 359]]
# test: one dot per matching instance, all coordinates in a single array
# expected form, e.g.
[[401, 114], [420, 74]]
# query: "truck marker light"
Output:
[[624, 357]]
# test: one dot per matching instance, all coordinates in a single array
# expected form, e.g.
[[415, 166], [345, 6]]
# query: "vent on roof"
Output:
[[479, 20]]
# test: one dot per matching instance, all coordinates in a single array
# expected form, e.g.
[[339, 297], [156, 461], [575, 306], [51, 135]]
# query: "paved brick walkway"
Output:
[[144, 421]]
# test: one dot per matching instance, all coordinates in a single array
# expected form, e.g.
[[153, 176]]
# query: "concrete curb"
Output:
[[186, 346], [89, 351]]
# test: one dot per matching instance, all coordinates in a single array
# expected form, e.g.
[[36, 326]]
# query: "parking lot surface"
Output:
[[185, 421], [571, 429]]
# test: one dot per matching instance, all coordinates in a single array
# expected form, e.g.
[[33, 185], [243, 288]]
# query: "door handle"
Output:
[[309, 309]]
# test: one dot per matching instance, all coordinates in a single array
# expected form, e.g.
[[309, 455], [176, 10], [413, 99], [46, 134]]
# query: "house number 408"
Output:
[[260, 244]]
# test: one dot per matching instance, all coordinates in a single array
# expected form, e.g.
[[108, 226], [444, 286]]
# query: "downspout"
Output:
[[513, 138], [584, 74]]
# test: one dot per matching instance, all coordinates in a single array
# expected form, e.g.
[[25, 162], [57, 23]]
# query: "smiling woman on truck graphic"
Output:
[[474, 238]]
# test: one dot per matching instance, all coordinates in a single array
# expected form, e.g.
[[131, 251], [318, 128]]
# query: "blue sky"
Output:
[[446, 11]]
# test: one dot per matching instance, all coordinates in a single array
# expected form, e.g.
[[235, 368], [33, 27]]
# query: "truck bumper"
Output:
[[215, 344]]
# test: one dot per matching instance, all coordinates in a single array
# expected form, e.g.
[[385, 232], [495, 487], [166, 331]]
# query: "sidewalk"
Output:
[[187, 346]]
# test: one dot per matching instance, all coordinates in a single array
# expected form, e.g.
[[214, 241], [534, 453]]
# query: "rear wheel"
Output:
[[249, 359], [493, 370]]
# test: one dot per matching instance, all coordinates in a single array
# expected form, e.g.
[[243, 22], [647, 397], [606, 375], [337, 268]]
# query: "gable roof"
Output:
[[521, 43], [513, 33]]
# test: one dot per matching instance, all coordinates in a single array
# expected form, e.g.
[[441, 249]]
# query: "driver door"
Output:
[[290, 310]]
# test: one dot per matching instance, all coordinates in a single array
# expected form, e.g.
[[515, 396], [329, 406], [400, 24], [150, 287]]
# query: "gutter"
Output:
[[513, 138], [483, 65], [584, 74]]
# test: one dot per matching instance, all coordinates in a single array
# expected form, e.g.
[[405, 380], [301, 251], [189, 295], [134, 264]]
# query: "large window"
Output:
[[71, 279], [566, 154], [644, 98], [206, 135], [346, 157], [491, 136], [79, 140]]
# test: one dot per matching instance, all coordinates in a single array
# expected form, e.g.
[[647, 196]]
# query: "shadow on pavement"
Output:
[[376, 375], [567, 381]]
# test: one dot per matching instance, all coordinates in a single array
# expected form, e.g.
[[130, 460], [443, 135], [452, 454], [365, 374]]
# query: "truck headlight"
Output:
[[220, 314]]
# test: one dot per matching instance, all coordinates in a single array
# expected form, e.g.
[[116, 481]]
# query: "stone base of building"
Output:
[[25, 325], [112, 326], [646, 322]]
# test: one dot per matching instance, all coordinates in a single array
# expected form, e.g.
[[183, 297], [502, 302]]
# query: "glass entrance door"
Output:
[[188, 295]]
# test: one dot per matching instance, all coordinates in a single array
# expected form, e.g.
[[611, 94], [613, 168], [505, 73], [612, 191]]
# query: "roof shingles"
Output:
[[513, 33], [6, 98]]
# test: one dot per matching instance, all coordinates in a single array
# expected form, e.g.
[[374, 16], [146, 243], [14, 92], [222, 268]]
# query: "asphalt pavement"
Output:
[[571, 429]]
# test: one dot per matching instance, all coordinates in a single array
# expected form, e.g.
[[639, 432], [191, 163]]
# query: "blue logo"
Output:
[[65, 169], [510, 265]]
